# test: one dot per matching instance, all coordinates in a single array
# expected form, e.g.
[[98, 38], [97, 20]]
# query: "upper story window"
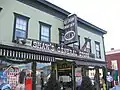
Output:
[[61, 36], [97, 48], [45, 32], [20, 26], [77, 44], [88, 46]]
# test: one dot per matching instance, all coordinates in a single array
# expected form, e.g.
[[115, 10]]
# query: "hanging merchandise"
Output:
[[115, 75]]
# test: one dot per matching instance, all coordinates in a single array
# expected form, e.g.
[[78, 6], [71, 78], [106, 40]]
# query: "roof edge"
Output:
[[92, 26], [45, 2], [54, 6]]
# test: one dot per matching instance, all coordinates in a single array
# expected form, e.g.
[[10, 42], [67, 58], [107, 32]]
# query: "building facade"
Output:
[[113, 62], [33, 31]]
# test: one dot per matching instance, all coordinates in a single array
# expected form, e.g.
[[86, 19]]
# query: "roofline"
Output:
[[92, 26], [45, 2], [113, 52], [66, 13]]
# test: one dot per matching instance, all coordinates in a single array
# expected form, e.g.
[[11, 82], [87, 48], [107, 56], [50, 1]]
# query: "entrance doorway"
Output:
[[65, 74]]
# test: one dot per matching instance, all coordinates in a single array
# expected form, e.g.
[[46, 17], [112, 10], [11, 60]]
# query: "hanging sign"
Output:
[[70, 27]]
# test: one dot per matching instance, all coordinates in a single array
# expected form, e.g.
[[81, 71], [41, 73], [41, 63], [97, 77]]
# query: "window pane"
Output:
[[25, 23], [97, 47], [24, 27], [22, 21], [17, 21], [21, 24], [45, 31], [97, 54], [44, 38], [62, 38], [20, 33], [20, 27], [17, 26], [88, 45]]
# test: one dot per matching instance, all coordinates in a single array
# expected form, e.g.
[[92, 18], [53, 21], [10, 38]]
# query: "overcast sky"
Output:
[[102, 13]]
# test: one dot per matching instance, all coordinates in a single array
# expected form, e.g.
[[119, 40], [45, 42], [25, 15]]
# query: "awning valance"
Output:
[[91, 63], [20, 55]]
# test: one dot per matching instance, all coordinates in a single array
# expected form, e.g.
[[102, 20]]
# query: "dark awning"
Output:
[[91, 63], [17, 55]]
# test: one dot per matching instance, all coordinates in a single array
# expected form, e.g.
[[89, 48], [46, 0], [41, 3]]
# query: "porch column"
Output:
[[34, 75], [83, 71], [73, 76], [104, 69], [56, 69], [97, 78]]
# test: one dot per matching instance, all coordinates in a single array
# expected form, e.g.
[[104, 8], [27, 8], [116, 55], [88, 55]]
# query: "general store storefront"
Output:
[[64, 60]]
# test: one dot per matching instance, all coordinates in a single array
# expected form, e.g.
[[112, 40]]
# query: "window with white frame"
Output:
[[97, 47], [45, 32], [20, 27], [61, 36], [88, 46]]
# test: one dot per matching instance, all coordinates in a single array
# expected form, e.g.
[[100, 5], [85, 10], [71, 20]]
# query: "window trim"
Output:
[[14, 27], [45, 24], [60, 37], [90, 43], [97, 43]]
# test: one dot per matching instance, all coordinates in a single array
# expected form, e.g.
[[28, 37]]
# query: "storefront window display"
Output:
[[11, 74], [43, 73]]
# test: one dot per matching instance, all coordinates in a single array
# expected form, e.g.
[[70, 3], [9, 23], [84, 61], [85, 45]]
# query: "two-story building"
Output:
[[34, 31], [113, 63]]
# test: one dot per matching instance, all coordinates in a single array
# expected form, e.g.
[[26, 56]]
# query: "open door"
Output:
[[64, 69]]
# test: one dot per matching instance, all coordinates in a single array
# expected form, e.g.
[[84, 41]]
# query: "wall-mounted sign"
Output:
[[70, 27], [55, 48]]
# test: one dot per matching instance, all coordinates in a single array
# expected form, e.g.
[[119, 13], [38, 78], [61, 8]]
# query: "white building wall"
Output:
[[94, 37], [35, 15]]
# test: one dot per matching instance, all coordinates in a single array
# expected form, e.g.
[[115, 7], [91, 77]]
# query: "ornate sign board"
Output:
[[53, 48], [70, 27]]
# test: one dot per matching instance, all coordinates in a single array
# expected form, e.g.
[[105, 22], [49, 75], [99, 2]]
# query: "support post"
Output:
[[73, 77], [97, 78], [104, 76], [83, 71], [34, 75], [56, 69]]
